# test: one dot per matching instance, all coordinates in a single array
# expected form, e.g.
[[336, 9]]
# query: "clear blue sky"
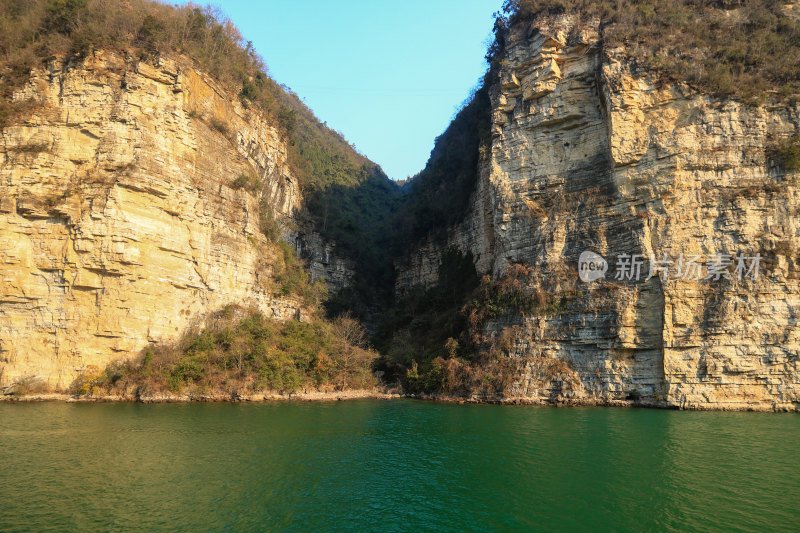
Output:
[[387, 74]]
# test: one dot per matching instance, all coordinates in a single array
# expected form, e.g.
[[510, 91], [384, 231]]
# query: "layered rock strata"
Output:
[[129, 208], [589, 153]]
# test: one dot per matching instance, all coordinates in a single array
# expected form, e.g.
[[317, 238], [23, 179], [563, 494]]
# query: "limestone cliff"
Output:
[[590, 153], [132, 196], [121, 218]]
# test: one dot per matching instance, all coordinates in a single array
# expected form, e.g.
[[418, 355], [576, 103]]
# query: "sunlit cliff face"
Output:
[[589, 154]]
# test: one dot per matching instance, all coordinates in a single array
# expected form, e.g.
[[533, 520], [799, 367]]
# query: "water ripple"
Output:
[[394, 466]]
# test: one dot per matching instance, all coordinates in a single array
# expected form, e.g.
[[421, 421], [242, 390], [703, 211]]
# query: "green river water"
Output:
[[399, 465]]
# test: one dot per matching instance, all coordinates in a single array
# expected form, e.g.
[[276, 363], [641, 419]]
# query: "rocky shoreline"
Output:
[[595, 402], [211, 397], [375, 394]]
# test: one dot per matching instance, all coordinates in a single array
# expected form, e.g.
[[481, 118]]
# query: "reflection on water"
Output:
[[394, 466]]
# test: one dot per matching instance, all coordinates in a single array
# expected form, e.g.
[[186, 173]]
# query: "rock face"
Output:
[[323, 261], [120, 222], [129, 208], [590, 154]]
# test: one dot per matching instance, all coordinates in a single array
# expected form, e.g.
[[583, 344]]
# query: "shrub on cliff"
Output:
[[94, 381], [788, 154], [240, 351], [293, 278], [425, 324], [436, 340], [247, 181], [748, 50]]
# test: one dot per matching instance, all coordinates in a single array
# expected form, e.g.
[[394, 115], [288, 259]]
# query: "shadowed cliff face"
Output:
[[588, 153]]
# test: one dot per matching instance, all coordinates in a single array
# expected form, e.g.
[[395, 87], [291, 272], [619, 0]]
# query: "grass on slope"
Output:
[[239, 351], [731, 48]]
